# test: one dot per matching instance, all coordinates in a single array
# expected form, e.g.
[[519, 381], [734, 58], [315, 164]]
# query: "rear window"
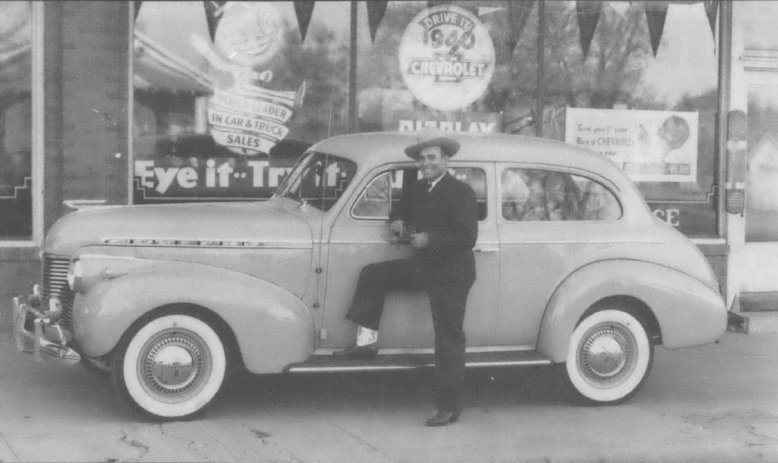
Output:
[[532, 195]]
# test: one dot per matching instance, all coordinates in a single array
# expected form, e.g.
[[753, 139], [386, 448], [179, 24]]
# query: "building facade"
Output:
[[114, 103]]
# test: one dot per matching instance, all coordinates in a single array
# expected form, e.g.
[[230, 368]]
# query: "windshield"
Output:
[[319, 179]]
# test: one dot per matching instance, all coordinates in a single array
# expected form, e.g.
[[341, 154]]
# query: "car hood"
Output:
[[202, 222]]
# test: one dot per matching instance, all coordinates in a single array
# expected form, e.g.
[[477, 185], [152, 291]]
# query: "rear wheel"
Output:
[[171, 368], [609, 356]]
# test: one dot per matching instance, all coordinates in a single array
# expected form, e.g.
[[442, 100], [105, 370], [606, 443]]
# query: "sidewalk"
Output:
[[715, 403]]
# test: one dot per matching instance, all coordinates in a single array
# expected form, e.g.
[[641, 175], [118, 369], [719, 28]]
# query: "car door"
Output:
[[360, 235], [551, 222]]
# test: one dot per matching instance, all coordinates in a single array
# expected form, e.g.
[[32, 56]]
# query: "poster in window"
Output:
[[248, 110], [446, 57], [651, 146]]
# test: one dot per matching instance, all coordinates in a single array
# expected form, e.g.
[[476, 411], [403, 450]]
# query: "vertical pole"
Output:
[[352, 78], [541, 68], [725, 81]]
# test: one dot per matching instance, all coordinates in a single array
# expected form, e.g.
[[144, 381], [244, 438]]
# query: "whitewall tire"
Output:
[[171, 368], [610, 355]]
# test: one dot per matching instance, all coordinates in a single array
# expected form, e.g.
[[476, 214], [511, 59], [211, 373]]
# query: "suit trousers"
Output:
[[448, 299]]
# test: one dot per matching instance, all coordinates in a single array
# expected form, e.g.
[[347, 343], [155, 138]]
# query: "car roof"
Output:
[[376, 148]]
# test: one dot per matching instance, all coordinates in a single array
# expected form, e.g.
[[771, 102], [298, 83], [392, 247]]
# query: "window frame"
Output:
[[37, 102]]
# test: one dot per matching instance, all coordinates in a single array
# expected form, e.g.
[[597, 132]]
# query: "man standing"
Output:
[[442, 213]]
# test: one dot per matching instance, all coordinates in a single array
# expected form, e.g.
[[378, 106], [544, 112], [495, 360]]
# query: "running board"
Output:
[[331, 364]]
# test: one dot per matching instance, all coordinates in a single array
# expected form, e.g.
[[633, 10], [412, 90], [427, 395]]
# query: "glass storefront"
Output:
[[761, 42], [228, 95], [15, 121]]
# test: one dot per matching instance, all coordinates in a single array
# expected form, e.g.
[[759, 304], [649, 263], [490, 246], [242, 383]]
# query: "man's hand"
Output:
[[420, 240]]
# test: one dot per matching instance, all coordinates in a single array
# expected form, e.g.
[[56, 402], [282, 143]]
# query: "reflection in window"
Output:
[[532, 195], [231, 93], [384, 191], [15, 121], [762, 178], [320, 181]]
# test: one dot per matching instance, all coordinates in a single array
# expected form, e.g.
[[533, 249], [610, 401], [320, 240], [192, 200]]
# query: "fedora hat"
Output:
[[432, 137]]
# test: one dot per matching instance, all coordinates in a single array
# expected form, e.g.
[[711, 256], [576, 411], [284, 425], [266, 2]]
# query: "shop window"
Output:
[[634, 81], [385, 190], [16, 210], [762, 174], [228, 95], [535, 195]]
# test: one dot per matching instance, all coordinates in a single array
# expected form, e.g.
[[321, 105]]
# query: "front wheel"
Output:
[[171, 368], [609, 356]]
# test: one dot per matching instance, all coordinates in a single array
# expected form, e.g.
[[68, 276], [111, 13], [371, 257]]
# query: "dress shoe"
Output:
[[357, 352], [443, 418]]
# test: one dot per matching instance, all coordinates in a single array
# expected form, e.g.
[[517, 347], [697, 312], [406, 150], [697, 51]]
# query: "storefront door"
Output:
[[760, 250]]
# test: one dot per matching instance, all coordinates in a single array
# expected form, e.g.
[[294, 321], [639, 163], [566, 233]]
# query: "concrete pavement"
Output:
[[715, 403]]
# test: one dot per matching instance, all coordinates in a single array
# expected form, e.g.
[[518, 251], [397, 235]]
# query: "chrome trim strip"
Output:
[[508, 363], [430, 350], [348, 368], [195, 242]]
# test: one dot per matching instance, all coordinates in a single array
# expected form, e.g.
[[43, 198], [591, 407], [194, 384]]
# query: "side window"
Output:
[[530, 195], [377, 199], [384, 191]]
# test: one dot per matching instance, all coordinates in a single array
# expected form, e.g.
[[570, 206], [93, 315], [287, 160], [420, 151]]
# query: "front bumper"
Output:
[[48, 339]]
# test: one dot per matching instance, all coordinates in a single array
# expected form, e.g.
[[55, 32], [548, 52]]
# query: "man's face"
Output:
[[432, 162]]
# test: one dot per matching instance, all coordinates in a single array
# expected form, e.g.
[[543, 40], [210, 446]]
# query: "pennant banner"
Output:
[[518, 13], [375, 13], [304, 11], [588, 15], [137, 7], [212, 15], [711, 8], [656, 12]]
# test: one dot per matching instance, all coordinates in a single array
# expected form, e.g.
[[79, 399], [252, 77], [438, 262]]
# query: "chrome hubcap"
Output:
[[607, 354], [174, 365]]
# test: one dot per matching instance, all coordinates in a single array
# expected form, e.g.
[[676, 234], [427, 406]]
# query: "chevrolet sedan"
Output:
[[573, 270]]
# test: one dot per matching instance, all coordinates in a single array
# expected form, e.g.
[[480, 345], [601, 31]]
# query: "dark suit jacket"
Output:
[[449, 214]]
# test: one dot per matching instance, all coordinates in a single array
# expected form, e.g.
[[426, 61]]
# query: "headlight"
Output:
[[75, 273]]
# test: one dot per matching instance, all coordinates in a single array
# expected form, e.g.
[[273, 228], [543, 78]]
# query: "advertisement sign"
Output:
[[244, 113], [454, 122], [446, 57], [209, 179], [651, 146]]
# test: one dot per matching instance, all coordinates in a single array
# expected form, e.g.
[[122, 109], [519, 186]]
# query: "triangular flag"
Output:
[[711, 8], [655, 16], [588, 15], [137, 7], [375, 13], [212, 15], [432, 3], [518, 12], [304, 11]]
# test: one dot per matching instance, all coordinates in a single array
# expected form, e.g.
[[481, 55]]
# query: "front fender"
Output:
[[273, 327], [689, 312]]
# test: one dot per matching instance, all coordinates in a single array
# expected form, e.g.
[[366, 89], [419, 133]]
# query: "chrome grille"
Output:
[[55, 283]]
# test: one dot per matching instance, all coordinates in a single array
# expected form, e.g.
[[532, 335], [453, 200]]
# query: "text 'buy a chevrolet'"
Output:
[[573, 270]]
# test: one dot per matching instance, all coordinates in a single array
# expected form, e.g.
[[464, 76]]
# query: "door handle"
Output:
[[487, 249]]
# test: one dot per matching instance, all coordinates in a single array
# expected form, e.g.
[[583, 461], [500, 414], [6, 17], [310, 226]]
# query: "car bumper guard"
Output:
[[48, 339]]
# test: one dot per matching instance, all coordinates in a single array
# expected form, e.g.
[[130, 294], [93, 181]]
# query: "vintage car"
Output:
[[573, 270]]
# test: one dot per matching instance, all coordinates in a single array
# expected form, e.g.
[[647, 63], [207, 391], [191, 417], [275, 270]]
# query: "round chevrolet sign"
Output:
[[446, 57]]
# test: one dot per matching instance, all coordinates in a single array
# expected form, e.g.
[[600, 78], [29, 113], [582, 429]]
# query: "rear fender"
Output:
[[272, 327], [688, 312]]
